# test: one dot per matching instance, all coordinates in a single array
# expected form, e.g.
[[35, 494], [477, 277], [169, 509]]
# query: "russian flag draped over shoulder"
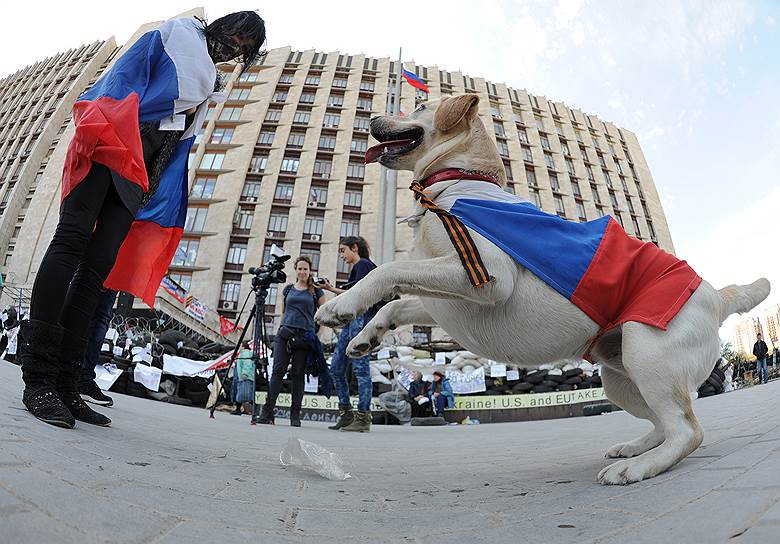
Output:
[[167, 71]]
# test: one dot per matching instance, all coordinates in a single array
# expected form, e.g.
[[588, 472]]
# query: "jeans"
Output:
[[338, 365], [441, 404], [282, 359], [97, 333], [92, 226], [761, 370]]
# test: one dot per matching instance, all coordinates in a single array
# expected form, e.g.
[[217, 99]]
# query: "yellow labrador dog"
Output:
[[518, 318]]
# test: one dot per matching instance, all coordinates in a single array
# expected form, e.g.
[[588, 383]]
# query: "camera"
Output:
[[319, 281], [272, 271]]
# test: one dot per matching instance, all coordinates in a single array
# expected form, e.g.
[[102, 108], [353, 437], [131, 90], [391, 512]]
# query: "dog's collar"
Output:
[[456, 173]]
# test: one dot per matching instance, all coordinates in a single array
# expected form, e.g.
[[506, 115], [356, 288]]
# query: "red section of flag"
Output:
[[226, 326], [143, 260], [415, 81], [106, 132]]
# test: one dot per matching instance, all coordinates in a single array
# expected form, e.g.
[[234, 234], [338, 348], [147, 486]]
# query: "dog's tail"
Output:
[[742, 298]]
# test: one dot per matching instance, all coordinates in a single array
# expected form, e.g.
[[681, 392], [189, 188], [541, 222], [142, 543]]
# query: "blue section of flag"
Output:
[[168, 206], [414, 81], [132, 73], [554, 249]]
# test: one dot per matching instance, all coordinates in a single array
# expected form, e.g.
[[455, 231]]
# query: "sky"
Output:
[[697, 81]]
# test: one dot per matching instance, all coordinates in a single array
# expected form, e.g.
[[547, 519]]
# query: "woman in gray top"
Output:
[[301, 301]]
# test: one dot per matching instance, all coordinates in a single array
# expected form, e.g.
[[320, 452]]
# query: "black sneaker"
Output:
[[45, 404], [90, 392], [79, 409]]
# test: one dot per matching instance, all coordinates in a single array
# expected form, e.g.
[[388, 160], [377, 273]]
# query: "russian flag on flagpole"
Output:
[[414, 81], [167, 71]]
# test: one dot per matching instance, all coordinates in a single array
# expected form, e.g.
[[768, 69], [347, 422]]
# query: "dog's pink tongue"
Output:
[[373, 153]]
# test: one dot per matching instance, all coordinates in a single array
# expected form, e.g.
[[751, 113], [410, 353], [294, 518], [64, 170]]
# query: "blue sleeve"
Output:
[[362, 268], [319, 293]]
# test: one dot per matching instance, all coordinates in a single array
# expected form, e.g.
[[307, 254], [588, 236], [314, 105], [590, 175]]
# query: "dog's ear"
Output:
[[453, 110]]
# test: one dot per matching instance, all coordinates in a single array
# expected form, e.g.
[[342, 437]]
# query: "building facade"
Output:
[[281, 162]]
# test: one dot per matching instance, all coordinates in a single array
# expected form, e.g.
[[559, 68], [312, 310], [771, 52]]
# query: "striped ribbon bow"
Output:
[[459, 236]]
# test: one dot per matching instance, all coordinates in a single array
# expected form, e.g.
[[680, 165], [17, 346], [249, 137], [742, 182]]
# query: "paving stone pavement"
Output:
[[168, 474]]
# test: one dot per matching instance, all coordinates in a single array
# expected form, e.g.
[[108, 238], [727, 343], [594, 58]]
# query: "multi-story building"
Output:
[[281, 162]]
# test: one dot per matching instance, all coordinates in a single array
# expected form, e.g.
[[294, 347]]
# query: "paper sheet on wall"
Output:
[[149, 376], [112, 334], [497, 370], [383, 353], [441, 358], [106, 375], [512, 375], [311, 384]]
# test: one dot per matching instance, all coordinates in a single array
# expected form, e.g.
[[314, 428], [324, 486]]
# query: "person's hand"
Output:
[[325, 284], [436, 394]]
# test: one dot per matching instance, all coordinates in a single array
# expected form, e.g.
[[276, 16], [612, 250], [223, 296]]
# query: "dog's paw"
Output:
[[623, 450], [627, 471], [358, 347], [334, 313]]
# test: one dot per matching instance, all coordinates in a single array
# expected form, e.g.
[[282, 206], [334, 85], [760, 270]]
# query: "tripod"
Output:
[[262, 279]]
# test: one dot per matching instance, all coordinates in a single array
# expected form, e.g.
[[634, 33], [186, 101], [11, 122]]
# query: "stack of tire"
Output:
[[714, 384], [544, 381]]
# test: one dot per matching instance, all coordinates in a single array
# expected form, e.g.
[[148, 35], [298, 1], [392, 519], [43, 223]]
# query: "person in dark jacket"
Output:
[[760, 350], [292, 345], [441, 394], [418, 396]]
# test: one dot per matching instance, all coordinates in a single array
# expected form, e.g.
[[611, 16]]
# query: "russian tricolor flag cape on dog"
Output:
[[166, 72], [611, 276]]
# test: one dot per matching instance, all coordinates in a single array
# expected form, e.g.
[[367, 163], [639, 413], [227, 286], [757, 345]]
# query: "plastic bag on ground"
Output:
[[396, 402], [310, 456]]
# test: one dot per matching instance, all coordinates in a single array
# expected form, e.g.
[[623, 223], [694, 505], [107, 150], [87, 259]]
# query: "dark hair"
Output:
[[310, 281], [245, 344], [244, 24], [358, 241]]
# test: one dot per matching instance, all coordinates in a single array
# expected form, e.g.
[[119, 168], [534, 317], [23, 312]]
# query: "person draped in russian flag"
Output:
[[124, 195]]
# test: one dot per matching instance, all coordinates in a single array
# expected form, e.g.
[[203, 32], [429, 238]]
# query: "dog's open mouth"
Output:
[[402, 143]]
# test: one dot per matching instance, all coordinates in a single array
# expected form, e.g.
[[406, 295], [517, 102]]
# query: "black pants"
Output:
[[282, 358], [93, 224]]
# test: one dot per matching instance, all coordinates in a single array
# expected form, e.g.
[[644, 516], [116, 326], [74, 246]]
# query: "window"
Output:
[[356, 171], [312, 79], [340, 83], [548, 160], [353, 199], [186, 253], [367, 86], [620, 168], [239, 94], [503, 150], [251, 190], [575, 188], [581, 210], [630, 205], [277, 223], [314, 255], [307, 98], [212, 161], [498, 128], [624, 184], [335, 101], [236, 254], [244, 219], [231, 289], [279, 96], [535, 197], [290, 165], [559, 209], [607, 178], [539, 123], [284, 192], [558, 127], [198, 137], [362, 124], [652, 230], [595, 191], [530, 175], [248, 77], [545, 141], [184, 279], [565, 147], [350, 227], [196, 219], [635, 223], [584, 153], [231, 114], [296, 139], [331, 120], [203, 187], [619, 218], [318, 196], [221, 135], [359, 145], [508, 171], [527, 157], [258, 163], [570, 166], [322, 168], [613, 200], [494, 111], [301, 117], [554, 182], [364, 104], [327, 141], [286, 78], [601, 160], [522, 134], [313, 225], [589, 169], [266, 137], [273, 115], [210, 113]]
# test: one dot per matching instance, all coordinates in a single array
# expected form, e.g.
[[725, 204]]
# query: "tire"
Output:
[[171, 337], [596, 381], [719, 372], [549, 383], [574, 380], [706, 390], [557, 378], [428, 421], [715, 381], [536, 377], [571, 373], [542, 389], [522, 387], [565, 387]]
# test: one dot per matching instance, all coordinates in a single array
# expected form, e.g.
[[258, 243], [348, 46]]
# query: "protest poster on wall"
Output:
[[195, 308], [464, 383]]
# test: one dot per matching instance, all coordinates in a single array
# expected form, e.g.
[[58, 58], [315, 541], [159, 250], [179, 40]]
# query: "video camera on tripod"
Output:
[[272, 271]]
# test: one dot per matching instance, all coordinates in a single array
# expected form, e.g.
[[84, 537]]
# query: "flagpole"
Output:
[[391, 192]]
